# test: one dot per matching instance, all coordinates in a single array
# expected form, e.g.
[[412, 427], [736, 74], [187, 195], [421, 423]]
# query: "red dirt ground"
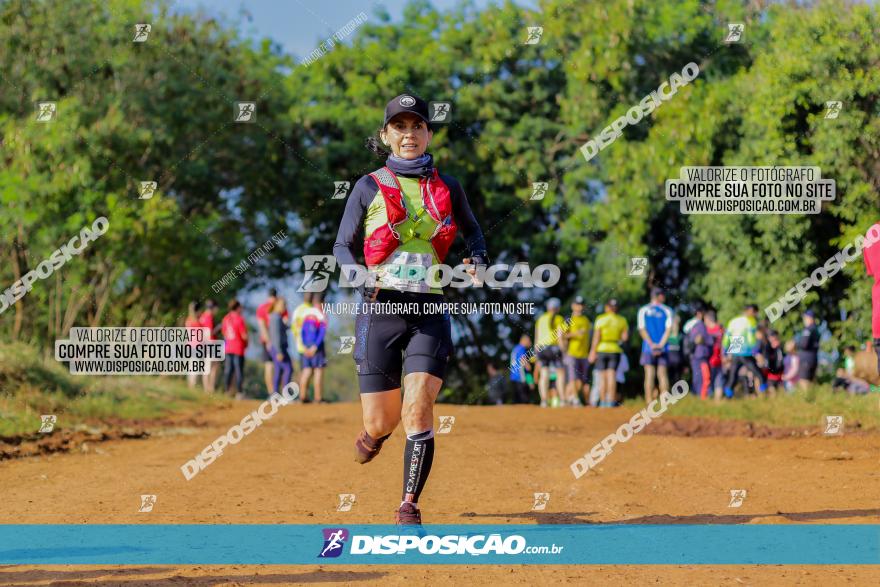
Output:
[[291, 469]]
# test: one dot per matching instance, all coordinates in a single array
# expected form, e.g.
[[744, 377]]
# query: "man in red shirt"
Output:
[[871, 253], [236, 336], [263, 311], [206, 320]]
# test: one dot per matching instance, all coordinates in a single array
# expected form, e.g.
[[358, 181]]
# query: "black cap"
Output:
[[656, 291], [406, 103]]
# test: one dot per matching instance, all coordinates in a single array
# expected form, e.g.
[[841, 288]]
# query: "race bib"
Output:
[[405, 272]]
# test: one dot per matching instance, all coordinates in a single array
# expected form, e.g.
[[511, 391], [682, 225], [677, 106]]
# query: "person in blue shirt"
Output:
[[519, 366], [655, 325], [314, 359]]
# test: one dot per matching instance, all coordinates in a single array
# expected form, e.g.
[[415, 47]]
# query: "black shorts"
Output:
[[877, 350], [267, 357], [550, 357], [607, 361], [577, 369], [390, 345], [807, 367]]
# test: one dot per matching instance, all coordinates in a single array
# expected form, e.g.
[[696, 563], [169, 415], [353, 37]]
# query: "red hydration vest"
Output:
[[436, 201]]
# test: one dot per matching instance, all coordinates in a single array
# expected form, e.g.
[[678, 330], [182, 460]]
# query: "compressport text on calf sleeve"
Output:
[[417, 460]]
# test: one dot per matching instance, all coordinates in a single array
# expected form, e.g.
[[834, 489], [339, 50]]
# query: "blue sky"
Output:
[[299, 25]]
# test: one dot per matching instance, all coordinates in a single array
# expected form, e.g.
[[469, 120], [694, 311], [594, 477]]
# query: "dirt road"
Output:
[[486, 470]]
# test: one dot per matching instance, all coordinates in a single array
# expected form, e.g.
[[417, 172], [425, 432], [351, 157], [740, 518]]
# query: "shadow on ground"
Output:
[[582, 517], [133, 576]]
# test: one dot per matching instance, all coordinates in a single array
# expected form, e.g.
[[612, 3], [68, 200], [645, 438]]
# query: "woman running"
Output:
[[404, 216]]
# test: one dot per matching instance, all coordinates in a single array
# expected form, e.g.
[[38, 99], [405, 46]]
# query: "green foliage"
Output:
[[32, 385], [786, 409], [162, 110], [129, 112]]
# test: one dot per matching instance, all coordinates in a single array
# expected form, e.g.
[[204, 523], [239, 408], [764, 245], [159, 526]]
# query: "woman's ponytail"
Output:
[[375, 145]]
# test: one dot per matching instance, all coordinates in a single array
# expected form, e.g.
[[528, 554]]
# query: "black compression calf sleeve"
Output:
[[417, 460]]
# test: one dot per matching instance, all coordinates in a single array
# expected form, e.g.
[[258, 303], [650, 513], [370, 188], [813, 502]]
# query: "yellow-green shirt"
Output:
[[415, 235], [579, 345], [299, 316], [545, 332], [611, 327]]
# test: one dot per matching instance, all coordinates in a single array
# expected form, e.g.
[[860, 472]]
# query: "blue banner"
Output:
[[187, 544]]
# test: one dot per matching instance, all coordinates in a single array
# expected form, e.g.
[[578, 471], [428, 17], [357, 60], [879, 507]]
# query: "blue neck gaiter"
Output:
[[422, 166]]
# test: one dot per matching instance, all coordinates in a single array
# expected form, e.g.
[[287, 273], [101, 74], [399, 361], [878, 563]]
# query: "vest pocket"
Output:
[[379, 244]]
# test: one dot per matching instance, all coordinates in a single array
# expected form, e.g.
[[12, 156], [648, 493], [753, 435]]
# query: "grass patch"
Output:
[[796, 409], [31, 385]]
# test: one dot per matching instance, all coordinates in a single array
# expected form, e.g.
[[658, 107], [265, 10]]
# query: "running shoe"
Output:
[[408, 515], [554, 402], [543, 404], [366, 447]]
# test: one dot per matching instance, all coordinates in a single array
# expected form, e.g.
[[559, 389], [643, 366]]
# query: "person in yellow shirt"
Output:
[[549, 331], [610, 330], [576, 360]]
